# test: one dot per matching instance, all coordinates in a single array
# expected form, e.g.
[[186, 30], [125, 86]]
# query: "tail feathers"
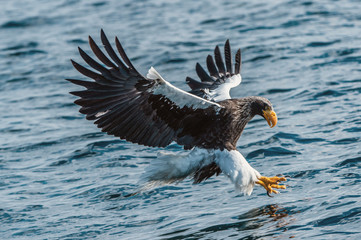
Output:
[[171, 167], [167, 168]]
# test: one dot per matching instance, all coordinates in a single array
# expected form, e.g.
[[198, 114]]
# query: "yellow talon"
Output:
[[278, 186], [271, 182]]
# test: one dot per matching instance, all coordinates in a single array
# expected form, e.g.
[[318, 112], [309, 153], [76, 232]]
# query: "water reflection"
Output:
[[283, 216], [269, 213], [275, 217]]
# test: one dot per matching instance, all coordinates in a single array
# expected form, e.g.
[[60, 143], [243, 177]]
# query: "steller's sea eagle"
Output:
[[152, 112]]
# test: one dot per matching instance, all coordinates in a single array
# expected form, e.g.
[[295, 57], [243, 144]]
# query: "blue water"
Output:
[[60, 178]]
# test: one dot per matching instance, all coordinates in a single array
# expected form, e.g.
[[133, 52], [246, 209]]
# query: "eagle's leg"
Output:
[[271, 182]]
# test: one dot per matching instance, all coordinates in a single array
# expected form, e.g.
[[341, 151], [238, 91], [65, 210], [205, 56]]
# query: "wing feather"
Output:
[[202, 74], [122, 53], [145, 110], [219, 60], [194, 84], [97, 77], [237, 68], [227, 56], [212, 67], [221, 80], [100, 55], [111, 52]]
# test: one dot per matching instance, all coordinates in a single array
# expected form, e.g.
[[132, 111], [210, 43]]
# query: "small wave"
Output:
[[338, 205], [350, 162], [322, 44], [301, 112], [98, 4], [82, 153], [344, 218], [297, 138], [328, 93], [238, 26], [357, 80], [34, 146], [319, 13], [214, 20], [30, 208], [345, 141], [273, 151], [349, 196], [347, 51], [258, 58], [353, 129], [60, 163], [77, 41], [306, 173], [22, 46], [27, 22], [279, 90], [15, 130], [25, 53], [177, 60], [186, 44], [355, 59], [256, 29], [19, 79], [295, 23]]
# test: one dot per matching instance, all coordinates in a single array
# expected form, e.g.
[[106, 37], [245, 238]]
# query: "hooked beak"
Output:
[[271, 117]]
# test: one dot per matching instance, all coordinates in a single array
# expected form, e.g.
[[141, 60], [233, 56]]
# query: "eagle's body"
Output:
[[152, 112]]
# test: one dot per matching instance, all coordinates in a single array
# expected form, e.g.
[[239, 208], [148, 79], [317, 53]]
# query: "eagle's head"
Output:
[[263, 107]]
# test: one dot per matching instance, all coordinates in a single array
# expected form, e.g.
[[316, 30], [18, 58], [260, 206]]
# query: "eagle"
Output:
[[150, 111]]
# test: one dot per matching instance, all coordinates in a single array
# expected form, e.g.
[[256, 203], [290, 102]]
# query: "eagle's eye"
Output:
[[267, 108]]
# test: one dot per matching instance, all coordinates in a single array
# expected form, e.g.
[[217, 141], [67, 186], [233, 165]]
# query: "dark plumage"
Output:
[[142, 110]]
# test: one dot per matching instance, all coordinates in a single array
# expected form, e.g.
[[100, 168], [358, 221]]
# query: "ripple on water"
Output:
[[278, 90], [322, 44], [309, 174], [350, 162], [343, 218], [298, 138], [28, 52], [273, 151], [28, 22], [23, 45]]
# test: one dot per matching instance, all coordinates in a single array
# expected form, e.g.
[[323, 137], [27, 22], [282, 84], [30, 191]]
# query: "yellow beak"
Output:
[[271, 117]]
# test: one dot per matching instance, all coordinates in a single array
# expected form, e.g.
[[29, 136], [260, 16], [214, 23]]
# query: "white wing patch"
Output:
[[178, 96], [154, 75], [222, 91]]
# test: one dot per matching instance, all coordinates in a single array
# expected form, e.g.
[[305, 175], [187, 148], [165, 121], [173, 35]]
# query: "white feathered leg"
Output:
[[235, 166]]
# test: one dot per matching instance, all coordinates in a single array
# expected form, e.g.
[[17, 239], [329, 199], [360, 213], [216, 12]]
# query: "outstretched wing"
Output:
[[144, 110], [216, 85]]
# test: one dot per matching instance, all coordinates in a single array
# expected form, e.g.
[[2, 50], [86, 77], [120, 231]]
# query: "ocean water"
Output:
[[61, 178]]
